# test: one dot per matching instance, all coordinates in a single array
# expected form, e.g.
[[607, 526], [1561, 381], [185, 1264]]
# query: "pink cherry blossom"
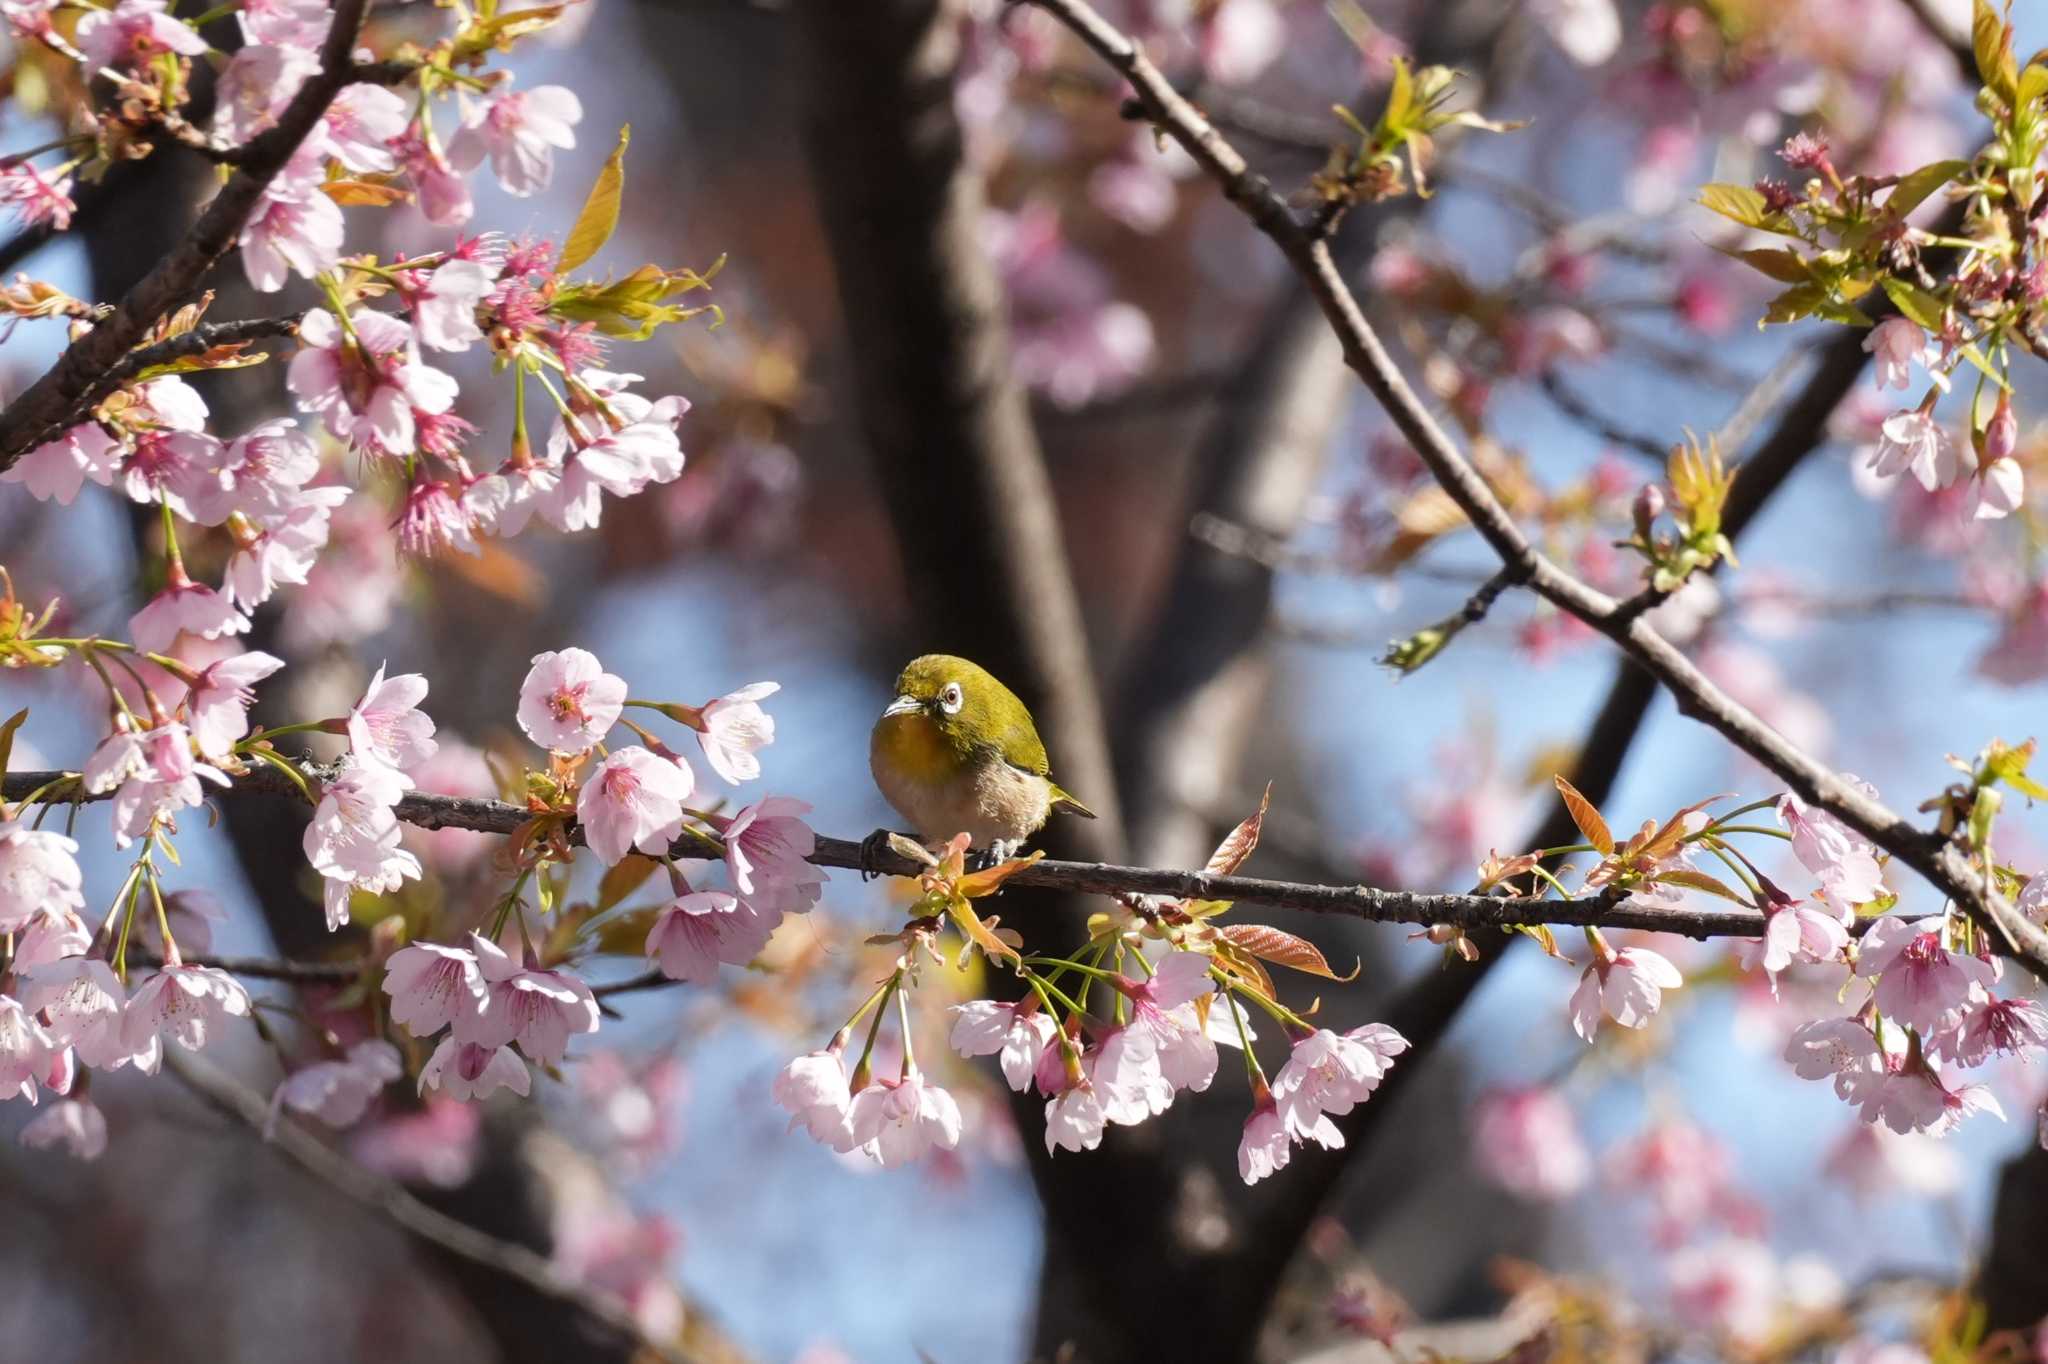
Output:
[[1331, 1073], [433, 987], [1915, 1098], [444, 305], [1913, 442], [1683, 1167], [466, 1071], [813, 1090], [35, 198], [434, 521], [1125, 1071], [38, 874], [1844, 860], [387, 726], [1729, 1286], [1838, 1049], [181, 469], [183, 1003], [1999, 490], [152, 774], [1018, 1034], [538, 1009], [1074, 1120], [353, 839], [368, 385], [282, 546], [1995, 1027], [296, 228], [77, 1125], [217, 707], [25, 1050], [568, 702], [50, 936], [633, 799], [444, 197], [519, 130], [1265, 1146], [359, 127], [897, 1121], [1627, 985], [1920, 982], [259, 82], [733, 727], [133, 32], [184, 607], [290, 23], [58, 469], [698, 930], [82, 1002], [1896, 344], [767, 845], [1797, 930], [338, 1093], [1527, 1141]]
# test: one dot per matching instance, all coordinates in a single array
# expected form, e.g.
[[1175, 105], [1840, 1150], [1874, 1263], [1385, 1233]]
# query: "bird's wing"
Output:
[[1022, 749]]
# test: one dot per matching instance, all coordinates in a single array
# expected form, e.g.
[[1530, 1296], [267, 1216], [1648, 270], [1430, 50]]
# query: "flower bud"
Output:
[[1648, 506], [2002, 435]]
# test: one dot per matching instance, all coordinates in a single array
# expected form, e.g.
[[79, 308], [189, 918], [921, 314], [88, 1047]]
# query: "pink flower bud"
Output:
[[2002, 435]]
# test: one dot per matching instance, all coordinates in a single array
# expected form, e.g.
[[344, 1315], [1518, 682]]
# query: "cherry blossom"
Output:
[[1796, 930], [367, 380], [434, 521], [353, 839], [444, 305], [519, 130], [296, 229], [897, 1121], [1999, 489], [133, 32], [1994, 1027], [733, 727], [82, 1002], [813, 1089], [287, 23], [38, 874], [184, 607], [387, 726], [1332, 1073], [25, 1050], [35, 198], [56, 470], [1074, 1120], [1729, 1286], [1627, 984], [568, 702], [1838, 1049], [338, 1093], [1265, 1146], [698, 930], [1920, 982], [1018, 1034], [1913, 442], [1896, 345], [185, 1004], [1527, 1140], [49, 936], [466, 1071], [444, 197], [433, 987], [535, 1008], [359, 127], [77, 1125], [217, 707], [633, 799], [767, 845], [1843, 859]]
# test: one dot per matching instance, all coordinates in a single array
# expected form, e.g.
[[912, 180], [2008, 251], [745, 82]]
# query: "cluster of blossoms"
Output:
[[1170, 983]]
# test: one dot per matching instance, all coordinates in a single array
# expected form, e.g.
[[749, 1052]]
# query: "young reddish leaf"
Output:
[[989, 880], [1585, 816], [1545, 939], [1243, 967], [1231, 853], [623, 879], [1283, 949], [373, 193], [1665, 841], [600, 215]]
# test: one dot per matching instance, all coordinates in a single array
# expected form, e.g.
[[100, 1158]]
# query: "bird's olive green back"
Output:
[[990, 715]]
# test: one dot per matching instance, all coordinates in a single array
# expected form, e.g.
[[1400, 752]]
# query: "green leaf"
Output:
[[623, 879], [1738, 202], [1914, 303], [1992, 44], [1801, 300], [600, 215], [1780, 263], [1698, 880], [7, 731], [2033, 83], [1914, 187]]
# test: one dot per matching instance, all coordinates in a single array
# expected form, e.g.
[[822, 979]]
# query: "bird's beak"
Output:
[[903, 705]]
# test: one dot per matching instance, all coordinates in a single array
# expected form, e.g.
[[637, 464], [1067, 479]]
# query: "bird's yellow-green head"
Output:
[[958, 708]]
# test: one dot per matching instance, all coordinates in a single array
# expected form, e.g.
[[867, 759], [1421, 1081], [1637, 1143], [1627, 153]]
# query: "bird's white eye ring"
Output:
[[950, 699]]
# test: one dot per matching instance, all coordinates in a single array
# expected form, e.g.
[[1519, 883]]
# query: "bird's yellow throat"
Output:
[[917, 748]]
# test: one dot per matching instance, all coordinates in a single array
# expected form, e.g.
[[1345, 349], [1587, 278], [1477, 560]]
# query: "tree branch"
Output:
[[1698, 698], [523, 1267], [53, 401]]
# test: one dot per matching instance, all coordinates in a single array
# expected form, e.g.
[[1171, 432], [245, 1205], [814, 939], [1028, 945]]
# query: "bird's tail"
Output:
[[1064, 800]]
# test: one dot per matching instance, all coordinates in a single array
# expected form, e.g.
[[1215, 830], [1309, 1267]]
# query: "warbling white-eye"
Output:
[[957, 750]]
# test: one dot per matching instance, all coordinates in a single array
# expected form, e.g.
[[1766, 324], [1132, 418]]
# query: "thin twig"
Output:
[[1575, 405], [515, 1262], [1094, 878], [52, 402], [1306, 248]]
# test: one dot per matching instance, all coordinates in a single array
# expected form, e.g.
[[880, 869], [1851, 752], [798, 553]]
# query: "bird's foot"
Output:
[[871, 849], [996, 853]]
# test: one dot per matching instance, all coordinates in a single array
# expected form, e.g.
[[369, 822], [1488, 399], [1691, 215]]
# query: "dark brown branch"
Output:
[[1940, 862], [53, 401], [1094, 878], [530, 1271]]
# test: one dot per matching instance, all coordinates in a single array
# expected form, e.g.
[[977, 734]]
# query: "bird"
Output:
[[955, 750]]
